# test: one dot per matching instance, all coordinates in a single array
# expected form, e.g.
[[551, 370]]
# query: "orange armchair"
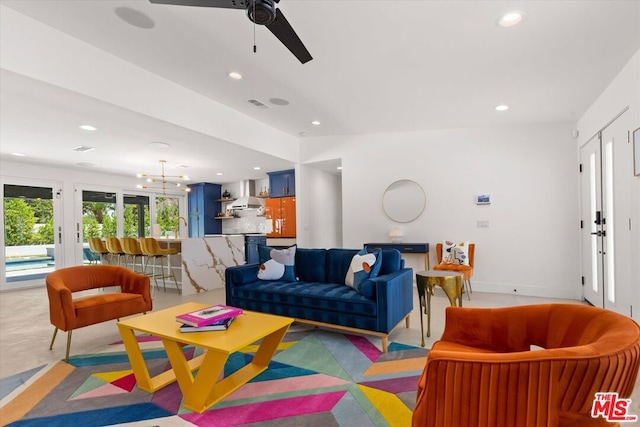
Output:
[[67, 313], [484, 373]]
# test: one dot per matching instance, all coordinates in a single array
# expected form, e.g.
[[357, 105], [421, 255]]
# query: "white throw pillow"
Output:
[[455, 252]]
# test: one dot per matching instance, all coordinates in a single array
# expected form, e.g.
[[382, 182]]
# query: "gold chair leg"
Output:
[[66, 359], [53, 339], [172, 274]]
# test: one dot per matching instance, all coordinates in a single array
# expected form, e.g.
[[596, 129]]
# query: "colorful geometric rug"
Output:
[[317, 378]]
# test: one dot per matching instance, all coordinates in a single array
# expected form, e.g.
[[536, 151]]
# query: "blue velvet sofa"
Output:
[[320, 296]]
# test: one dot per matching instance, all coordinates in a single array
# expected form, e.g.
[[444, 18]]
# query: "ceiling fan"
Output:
[[261, 12]]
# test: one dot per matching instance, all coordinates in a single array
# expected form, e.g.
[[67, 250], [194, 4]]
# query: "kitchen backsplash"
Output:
[[247, 221]]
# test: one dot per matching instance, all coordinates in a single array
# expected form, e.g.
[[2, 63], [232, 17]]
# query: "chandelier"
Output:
[[161, 182]]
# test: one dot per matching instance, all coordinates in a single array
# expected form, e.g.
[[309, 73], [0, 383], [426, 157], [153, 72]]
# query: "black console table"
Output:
[[405, 248]]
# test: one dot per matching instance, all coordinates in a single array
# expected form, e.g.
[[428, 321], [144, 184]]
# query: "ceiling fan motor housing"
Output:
[[262, 12]]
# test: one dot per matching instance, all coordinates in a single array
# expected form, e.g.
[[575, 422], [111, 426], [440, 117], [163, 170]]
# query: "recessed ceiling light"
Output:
[[502, 108], [235, 75], [219, 173], [257, 168], [135, 18], [339, 168], [88, 128], [160, 144], [18, 154], [511, 18], [315, 123]]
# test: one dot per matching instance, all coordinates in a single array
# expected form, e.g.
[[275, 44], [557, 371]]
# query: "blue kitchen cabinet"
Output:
[[251, 243], [282, 183], [203, 209]]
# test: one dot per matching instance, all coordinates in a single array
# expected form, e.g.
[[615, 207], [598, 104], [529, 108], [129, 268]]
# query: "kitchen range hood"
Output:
[[247, 199]]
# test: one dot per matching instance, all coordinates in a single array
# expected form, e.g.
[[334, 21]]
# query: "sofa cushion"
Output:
[[311, 265], [364, 265], [338, 262], [329, 297], [277, 264], [391, 261]]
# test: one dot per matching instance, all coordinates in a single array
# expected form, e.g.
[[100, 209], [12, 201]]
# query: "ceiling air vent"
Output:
[[83, 148], [257, 103]]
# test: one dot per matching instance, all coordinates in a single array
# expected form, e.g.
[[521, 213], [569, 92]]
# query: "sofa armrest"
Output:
[[394, 298], [472, 392], [239, 275]]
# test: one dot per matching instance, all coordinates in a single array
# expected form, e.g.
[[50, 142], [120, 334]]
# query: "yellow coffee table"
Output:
[[202, 390]]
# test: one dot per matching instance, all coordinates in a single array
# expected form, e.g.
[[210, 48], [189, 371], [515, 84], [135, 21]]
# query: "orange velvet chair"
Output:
[[68, 313], [466, 270], [483, 371]]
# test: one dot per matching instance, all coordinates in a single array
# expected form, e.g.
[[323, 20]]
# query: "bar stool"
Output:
[[151, 250], [98, 247], [132, 250], [113, 245]]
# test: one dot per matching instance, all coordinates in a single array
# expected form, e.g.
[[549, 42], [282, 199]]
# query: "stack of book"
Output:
[[214, 318]]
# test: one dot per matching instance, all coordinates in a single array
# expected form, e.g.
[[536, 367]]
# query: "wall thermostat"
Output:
[[483, 199]]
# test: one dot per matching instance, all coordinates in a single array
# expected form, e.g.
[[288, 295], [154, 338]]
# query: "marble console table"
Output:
[[205, 259]]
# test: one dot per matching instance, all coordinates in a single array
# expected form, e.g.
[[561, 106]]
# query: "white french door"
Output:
[[605, 236], [32, 232]]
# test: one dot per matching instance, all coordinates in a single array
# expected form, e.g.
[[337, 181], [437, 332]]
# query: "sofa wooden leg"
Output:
[[407, 320], [53, 338], [66, 359], [384, 344]]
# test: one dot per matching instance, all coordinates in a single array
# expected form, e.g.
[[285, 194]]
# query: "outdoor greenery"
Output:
[[30, 221]]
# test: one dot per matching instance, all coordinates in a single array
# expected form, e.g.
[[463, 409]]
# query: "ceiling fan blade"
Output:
[[226, 4], [285, 33]]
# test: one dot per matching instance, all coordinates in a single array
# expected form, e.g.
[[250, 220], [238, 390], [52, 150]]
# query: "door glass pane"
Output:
[[98, 219], [136, 216], [28, 232], [593, 191], [167, 217], [609, 239], [98, 214]]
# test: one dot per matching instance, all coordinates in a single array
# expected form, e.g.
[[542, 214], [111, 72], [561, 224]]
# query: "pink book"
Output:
[[208, 315]]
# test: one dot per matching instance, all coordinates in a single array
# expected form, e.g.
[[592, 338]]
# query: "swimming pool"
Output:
[[29, 264]]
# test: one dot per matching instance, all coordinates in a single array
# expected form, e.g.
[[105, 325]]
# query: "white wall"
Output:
[[622, 92], [318, 208], [530, 172]]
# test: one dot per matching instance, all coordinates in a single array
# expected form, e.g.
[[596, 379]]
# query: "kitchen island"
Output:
[[204, 260]]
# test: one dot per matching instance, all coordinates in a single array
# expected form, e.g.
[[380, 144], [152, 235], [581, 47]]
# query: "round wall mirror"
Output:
[[404, 201]]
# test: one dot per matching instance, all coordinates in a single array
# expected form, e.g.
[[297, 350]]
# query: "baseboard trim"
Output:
[[528, 290]]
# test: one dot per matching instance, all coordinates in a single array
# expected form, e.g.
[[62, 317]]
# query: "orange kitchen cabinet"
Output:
[[282, 212]]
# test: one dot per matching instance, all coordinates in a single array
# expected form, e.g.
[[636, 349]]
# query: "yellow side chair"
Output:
[[98, 247], [132, 250], [466, 270], [152, 251], [113, 245]]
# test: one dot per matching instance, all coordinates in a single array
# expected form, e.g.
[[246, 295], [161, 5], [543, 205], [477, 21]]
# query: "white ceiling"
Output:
[[379, 66]]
